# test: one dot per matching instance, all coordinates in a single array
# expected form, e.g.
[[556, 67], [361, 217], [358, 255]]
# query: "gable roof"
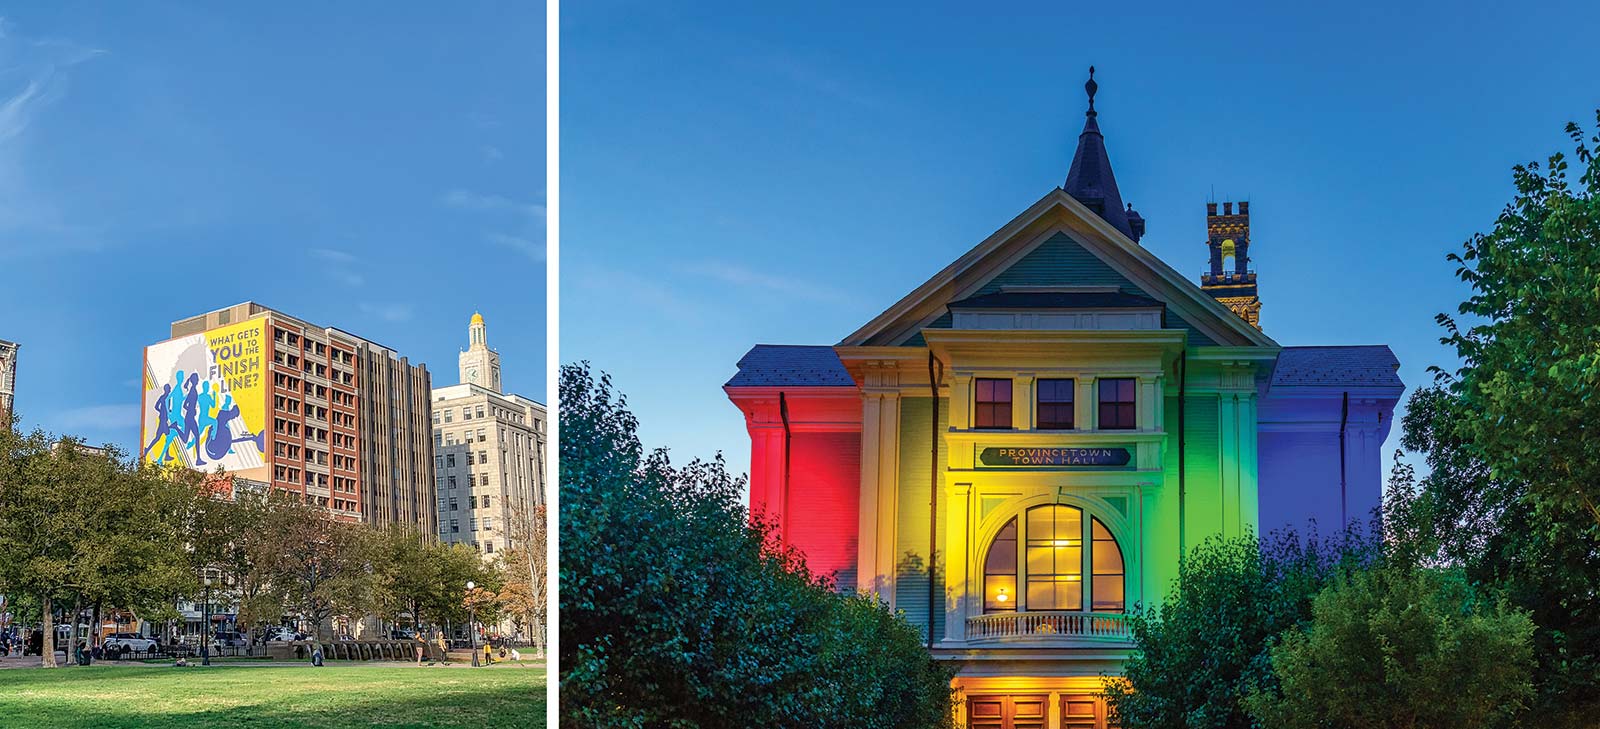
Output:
[[791, 365], [1118, 261], [1371, 365]]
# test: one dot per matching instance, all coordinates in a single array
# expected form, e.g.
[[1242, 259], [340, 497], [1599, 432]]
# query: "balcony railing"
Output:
[[1048, 625]]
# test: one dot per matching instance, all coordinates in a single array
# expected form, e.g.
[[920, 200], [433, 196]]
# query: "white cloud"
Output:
[[97, 418], [339, 265], [520, 224], [789, 286], [333, 256], [526, 246], [33, 76], [469, 200], [387, 311]]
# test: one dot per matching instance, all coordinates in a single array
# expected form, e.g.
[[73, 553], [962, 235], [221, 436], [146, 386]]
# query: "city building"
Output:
[[1017, 453], [489, 470], [8, 380], [313, 410]]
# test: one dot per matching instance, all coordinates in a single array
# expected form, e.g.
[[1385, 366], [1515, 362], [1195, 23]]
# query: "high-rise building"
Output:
[[8, 380], [313, 410], [489, 470]]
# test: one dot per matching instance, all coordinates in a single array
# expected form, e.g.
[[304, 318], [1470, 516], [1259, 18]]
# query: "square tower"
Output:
[[1230, 279]]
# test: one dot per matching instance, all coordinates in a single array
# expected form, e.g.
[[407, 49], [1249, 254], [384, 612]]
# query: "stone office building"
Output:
[[1049, 422], [8, 381], [489, 446]]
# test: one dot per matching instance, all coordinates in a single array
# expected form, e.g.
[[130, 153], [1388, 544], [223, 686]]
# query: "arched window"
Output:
[[1000, 571], [1048, 557], [1229, 249]]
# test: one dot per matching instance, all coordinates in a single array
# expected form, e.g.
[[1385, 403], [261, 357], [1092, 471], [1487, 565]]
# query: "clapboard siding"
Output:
[[824, 499], [911, 548]]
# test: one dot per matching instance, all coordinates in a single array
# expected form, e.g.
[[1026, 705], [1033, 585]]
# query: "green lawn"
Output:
[[240, 696]]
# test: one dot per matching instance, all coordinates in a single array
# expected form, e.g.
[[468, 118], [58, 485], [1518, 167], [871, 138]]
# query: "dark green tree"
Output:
[[1202, 650], [1399, 647], [1529, 341], [678, 611], [1511, 484]]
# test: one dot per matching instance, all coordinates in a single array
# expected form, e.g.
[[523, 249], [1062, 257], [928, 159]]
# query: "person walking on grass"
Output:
[[421, 646]]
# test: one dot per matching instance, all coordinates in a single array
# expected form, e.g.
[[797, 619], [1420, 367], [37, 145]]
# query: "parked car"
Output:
[[279, 633], [119, 643], [230, 639], [402, 634]]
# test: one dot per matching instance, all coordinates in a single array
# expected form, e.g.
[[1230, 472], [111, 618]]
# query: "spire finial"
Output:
[[1091, 87]]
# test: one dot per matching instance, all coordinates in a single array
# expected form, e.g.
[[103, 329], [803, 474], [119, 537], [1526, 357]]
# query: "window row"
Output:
[[1055, 401]]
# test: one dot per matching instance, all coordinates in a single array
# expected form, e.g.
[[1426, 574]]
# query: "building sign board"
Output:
[[1092, 457]]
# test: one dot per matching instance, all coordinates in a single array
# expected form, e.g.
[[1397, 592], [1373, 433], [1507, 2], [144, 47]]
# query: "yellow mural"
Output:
[[205, 399]]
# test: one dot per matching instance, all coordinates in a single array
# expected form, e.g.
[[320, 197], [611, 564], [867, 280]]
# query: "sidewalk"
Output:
[[37, 662]]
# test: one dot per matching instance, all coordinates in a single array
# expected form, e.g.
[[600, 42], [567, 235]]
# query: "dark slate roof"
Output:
[[791, 365], [1350, 366], [1057, 300], [1090, 181]]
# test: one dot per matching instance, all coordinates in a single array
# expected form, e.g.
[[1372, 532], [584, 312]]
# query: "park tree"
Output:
[[678, 610], [1528, 336], [1399, 647], [82, 527], [422, 579], [1508, 494], [325, 570], [523, 569], [1199, 654]]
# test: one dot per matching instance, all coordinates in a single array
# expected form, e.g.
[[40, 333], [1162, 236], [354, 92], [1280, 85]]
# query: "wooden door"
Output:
[[1083, 711], [1008, 712]]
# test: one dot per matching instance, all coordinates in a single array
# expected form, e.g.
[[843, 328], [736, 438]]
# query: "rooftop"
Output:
[[1370, 365], [791, 365]]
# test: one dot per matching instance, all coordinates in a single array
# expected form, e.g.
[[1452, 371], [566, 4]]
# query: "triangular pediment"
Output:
[[1059, 242]]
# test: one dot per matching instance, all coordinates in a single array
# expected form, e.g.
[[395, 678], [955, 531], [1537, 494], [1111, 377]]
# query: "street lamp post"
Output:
[[205, 628], [472, 618]]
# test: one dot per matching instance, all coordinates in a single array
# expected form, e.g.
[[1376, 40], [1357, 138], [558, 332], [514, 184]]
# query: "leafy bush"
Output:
[[678, 611], [1399, 646], [1205, 647]]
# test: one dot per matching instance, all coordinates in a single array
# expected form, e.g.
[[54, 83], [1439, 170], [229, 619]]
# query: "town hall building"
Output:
[[1016, 453]]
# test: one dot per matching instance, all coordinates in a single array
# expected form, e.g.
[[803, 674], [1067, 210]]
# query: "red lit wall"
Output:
[[823, 501]]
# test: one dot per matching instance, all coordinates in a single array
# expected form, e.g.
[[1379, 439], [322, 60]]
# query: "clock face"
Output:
[[472, 373]]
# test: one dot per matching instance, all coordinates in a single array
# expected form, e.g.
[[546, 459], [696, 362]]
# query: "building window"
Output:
[[1054, 558], [1055, 404], [1058, 547], [1109, 578], [993, 404], [1117, 411], [1000, 572]]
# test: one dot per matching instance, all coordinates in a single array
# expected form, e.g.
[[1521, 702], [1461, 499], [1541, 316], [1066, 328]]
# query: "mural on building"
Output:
[[205, 399]]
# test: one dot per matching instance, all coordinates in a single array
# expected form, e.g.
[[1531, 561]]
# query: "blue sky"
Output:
[[382, 172], [734, 174]]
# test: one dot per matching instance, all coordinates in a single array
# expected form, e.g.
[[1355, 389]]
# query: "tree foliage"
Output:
[[1202, 650], [1529, 384], [1511, 482], [679, 611], [1399, 647]]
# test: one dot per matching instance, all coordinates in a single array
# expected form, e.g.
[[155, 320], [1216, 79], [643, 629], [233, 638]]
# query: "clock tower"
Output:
[[479, 365]]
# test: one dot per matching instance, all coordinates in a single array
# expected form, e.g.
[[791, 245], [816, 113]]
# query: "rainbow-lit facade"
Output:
[[1016, 453]]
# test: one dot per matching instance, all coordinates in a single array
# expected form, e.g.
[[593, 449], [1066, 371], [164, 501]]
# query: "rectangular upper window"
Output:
[[993, 404], [1055, 404], [1117, 411]]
